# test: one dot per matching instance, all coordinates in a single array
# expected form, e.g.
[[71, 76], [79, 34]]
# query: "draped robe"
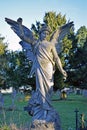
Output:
[[43, 65]]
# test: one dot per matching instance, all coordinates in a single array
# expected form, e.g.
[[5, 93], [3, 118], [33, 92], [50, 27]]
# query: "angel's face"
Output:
[[43, 35]]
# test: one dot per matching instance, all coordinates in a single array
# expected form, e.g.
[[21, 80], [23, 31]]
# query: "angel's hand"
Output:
[[19, 21], [64, 74]]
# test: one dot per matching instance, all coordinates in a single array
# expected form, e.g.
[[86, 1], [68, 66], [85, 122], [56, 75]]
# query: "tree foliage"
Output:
[[78, 59], [3, 52]]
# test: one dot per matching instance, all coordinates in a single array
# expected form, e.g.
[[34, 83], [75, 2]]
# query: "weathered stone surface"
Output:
[[45, 120], [41, 125]]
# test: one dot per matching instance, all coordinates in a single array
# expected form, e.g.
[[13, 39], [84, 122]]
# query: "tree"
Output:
[[78, 59], [16, 72], [81, 36], [3, 52]]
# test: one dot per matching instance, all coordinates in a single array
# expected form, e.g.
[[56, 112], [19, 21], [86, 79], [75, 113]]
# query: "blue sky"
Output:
[[34, 10]]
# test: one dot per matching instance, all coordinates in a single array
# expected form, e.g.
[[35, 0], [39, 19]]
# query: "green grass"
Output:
[[17, 116], [65, 108]]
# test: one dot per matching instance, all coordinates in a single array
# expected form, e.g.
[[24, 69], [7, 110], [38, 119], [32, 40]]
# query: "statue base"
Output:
[[41, 125], [44, 116], [44, 119]]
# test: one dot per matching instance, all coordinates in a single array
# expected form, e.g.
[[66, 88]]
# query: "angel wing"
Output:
[[28, 50], [27, 32], [63, 31]]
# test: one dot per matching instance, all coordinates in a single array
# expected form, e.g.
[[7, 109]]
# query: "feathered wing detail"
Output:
[[27, 32], [28, 50], [64, 30]]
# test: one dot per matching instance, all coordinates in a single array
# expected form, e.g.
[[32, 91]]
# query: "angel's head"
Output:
[[44, 32]]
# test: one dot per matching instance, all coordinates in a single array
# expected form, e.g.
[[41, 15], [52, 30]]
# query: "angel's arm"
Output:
[[55, 35], [58, 62]]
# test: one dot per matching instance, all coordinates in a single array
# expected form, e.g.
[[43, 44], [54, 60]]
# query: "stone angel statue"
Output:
[[44, 56]]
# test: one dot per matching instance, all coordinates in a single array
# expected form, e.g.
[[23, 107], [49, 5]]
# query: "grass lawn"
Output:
[[66, 109]]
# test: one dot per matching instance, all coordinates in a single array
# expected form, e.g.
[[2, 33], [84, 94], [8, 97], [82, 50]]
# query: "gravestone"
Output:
[[1, 100], [13, 98]]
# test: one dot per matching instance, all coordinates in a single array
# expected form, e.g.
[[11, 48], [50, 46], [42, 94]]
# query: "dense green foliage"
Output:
[[78, 59], [3, 60]]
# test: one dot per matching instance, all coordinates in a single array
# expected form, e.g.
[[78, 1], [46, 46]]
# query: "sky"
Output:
[[34, 10]]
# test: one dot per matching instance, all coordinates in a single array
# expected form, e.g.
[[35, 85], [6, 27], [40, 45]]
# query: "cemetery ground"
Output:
[[13, 114]]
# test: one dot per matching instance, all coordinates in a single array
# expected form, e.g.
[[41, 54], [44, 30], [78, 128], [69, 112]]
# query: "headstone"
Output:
[[1, 100], [84, 92], [13, 97]]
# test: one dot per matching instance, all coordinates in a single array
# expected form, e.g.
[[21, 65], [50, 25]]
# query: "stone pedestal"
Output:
[[44, 116], [40, 125], [50, 122]]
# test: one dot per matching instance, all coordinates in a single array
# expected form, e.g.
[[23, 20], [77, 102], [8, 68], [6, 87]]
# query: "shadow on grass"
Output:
[[10, 109]]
